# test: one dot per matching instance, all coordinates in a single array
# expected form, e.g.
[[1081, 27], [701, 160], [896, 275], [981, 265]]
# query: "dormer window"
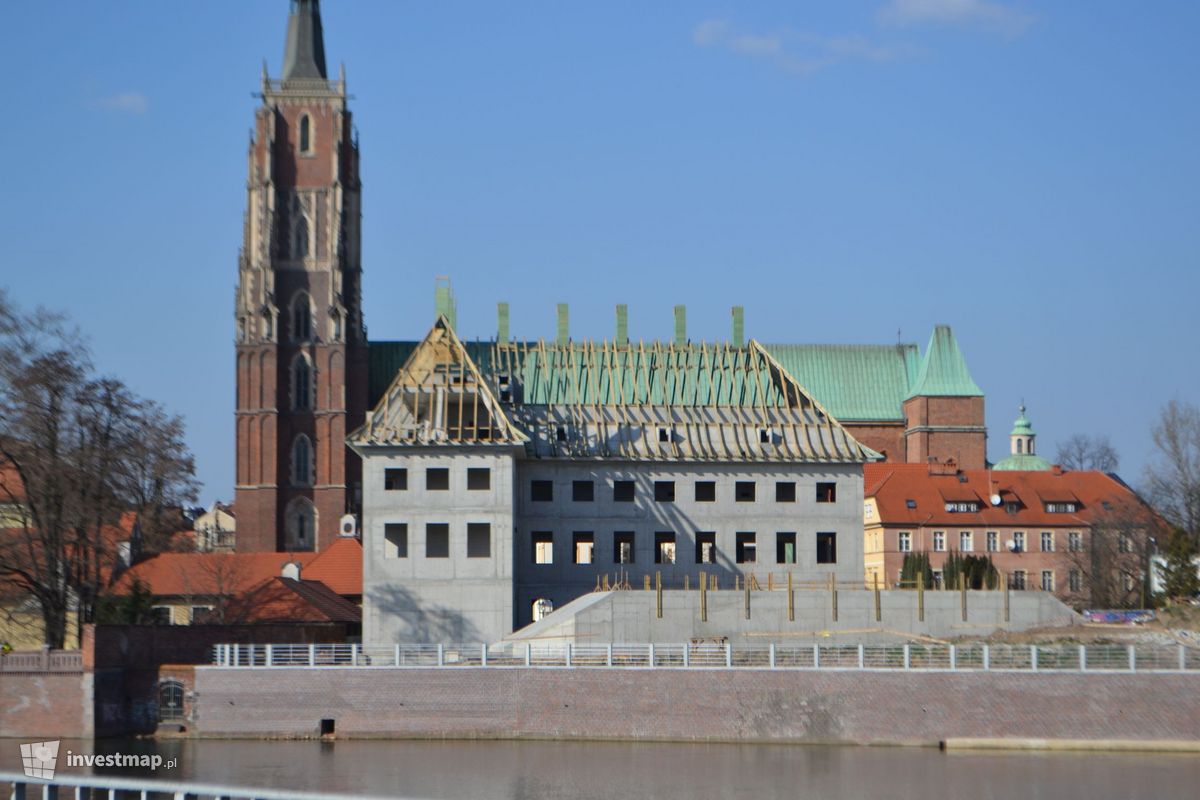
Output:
[[1012, 508], [1060, 508], [910, 503], [664, 434], [305, 134], [962, 507]]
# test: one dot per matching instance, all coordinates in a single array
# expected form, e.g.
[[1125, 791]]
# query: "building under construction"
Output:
[[504, 479]]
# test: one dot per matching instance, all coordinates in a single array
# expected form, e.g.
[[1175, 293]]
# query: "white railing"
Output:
[[87, 786], [937, 657]]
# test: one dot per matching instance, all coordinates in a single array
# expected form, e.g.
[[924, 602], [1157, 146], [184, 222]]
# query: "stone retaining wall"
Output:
[[824, 706]]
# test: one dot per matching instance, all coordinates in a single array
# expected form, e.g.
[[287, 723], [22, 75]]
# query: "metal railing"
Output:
[[94, 786], [936, 657], [44, 660]]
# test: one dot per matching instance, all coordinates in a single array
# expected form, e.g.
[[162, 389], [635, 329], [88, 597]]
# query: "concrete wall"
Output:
[[631, 616], [563, 580], [750, 704], [420, 599]]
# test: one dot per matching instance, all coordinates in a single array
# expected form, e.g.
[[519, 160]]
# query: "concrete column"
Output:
[[862, 657], [312, 655], [441, 655], [270, 656], [772, 655], [729, 654], [483, 654], [396, 657], [987, 658], [1033, 656], [1132, 658], [1083, 658], [816, 656], [907, 657]]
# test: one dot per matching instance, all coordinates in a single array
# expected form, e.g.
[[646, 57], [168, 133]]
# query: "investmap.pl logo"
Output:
[[40, 759]]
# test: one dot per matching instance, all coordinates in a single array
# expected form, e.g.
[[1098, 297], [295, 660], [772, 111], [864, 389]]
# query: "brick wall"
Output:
[[50, 705], [748, 705]]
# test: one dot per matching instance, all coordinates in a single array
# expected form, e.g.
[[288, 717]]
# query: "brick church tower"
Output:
[[301, 342]]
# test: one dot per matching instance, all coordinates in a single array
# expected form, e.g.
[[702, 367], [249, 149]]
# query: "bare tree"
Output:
[[70, 443], [1113, 559], [218, 580], [1083, 452], [1173, 476]]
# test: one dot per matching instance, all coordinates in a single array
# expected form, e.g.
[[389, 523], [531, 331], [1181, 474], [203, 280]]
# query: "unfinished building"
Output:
[[505, 479]]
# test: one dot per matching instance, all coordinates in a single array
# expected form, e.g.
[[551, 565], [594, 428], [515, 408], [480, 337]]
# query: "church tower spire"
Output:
[[304, 51], [301, 343]]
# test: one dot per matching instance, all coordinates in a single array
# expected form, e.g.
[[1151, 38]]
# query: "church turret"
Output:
[[304, 52], [1021, 447], [301, 342]]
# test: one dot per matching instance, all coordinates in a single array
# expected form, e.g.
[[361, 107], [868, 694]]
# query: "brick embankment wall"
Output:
[[53, 705], [715, 705]]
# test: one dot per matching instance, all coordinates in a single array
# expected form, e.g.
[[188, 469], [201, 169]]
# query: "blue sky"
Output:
[[1028, 173]]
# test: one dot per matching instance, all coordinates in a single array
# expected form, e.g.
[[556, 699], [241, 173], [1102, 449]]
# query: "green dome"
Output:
[[1022, 427], [1025, 463]]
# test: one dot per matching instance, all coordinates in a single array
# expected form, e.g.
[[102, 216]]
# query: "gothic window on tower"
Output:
[[302, 383], [300, 525], [302, 461], [305, 134], [301, 318], [300, 238]]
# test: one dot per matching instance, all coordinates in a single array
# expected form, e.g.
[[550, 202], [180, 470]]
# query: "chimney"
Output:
[[739, 326], [564, 328], [680, 326], [502, 323], [622, 325]]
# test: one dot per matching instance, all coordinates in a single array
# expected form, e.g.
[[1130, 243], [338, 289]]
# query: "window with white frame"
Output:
[[993, 541], [1074, 580], [1019, 542], [1074, 542], [964, 541], [1018, 579], [904, 542], [939, 541], [1047, 542], [1047, 580]]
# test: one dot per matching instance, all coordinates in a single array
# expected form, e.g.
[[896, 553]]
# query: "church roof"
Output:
[[854, 382], [943, 371], [1023, 461], [304, 49]]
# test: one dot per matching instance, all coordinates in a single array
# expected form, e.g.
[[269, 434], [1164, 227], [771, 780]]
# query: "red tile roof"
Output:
[[289, 600], [180, 574], [932, 487], [339, 566]]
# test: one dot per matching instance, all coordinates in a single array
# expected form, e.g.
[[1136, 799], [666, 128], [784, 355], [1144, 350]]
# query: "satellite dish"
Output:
[[349, 526], [996, 500]]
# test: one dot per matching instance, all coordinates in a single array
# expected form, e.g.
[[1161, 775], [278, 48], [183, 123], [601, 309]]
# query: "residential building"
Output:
[[1080, 535]]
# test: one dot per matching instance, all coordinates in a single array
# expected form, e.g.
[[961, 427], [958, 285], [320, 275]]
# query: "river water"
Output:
[[458, 770]]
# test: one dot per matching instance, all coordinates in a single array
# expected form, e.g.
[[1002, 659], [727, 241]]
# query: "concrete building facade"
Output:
[[502, 485]]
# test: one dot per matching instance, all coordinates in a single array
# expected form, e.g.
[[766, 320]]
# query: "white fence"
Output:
[[87, 787], [1030, 658]]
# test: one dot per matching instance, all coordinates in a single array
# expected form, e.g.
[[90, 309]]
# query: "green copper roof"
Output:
[[859, 383], [943, 371], [1022, 427], [853, 382], [1025, 462]]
